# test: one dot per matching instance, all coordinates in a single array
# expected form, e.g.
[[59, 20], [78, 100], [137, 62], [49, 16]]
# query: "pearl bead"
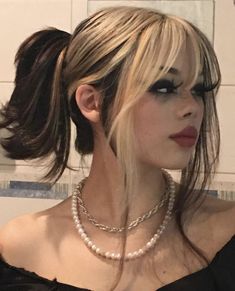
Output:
[[135, 254], [118, 256], [83, 235], [94, 248], [77, 221], [107, 254], [80, 231], [113, 256], [152, 241], [129, 256], [149, 244], [86, 240]]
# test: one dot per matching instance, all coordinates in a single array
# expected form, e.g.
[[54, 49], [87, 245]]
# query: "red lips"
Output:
[[186, 137], [189, 131]]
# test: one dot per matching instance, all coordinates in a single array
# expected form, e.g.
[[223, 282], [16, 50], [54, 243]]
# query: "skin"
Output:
[[45, 241]]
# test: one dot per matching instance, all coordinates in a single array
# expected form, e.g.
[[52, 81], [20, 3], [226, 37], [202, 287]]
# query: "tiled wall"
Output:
[[20, 18]]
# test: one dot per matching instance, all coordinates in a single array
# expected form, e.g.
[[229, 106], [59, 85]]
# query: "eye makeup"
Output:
[[200, 89], [164, 86]]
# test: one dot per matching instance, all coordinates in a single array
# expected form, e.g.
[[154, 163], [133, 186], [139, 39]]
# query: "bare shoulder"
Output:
[[23, 237], [215, 221], [223, 211], [17, 238]]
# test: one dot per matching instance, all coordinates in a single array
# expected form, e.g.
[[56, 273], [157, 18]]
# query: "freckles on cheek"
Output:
[[150, 118]]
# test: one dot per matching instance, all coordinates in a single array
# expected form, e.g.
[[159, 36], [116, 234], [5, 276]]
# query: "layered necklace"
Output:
[[78, 201]]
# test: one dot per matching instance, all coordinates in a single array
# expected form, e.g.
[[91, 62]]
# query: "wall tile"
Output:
[[27, 173], [225, 39], [226, 105], [79, 12], [20, 18], [5, 91], [198, 12], [13, 207], [149, 0]]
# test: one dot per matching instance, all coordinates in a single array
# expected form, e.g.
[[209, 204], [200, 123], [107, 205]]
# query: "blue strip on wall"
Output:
[[27, 189]]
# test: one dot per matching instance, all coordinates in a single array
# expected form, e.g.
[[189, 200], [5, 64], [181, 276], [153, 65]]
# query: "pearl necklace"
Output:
[[132, 224], [131, 255]]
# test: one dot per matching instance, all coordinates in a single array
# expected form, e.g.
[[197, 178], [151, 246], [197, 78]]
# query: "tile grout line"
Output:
[[151, 0], [71, 16], [213, 36]]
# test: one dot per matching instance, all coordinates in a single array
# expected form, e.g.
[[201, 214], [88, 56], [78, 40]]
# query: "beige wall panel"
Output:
[[13, 207], [226, 105], [20, 18], [79, 12], [5, 93], [27, 173], [225, 39], [198, 12]]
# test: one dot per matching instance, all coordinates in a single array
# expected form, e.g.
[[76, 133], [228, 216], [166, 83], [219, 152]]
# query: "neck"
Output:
[[103, 194]]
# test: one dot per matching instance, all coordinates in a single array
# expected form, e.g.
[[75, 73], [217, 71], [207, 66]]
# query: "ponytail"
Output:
[[37, 115]]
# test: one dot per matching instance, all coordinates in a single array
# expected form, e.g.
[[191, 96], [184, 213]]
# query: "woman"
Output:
[[140, 87]]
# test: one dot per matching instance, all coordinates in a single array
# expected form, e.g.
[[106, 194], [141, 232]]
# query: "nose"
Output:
[[190, 105]]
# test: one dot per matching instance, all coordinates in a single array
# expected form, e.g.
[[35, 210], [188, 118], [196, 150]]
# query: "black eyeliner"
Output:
[[163, 83]]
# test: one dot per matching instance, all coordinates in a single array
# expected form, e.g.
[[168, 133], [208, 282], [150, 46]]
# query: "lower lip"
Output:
[[184, 141]]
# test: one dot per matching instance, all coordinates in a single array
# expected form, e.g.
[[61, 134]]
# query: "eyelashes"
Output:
[[166, 87]]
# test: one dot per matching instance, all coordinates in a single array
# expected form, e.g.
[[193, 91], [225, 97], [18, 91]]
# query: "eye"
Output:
[[164, 86], [198, 90], [201, 90]]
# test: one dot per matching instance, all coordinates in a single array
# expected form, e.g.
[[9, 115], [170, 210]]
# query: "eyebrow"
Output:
[[172, 71], [175, 71]]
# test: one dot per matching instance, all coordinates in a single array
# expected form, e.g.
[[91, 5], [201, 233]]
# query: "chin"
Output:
[[180, 165]]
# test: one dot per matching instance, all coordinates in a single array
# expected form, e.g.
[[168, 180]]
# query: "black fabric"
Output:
[[219, 275]]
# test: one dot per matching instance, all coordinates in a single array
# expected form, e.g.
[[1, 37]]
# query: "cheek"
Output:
[[153, 121], [148, 121], [150, 129]]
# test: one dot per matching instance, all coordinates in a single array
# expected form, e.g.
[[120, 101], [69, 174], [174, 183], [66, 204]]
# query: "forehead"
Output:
[[187, 65]]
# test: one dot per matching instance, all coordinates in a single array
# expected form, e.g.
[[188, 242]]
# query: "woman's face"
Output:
[[167, 110]]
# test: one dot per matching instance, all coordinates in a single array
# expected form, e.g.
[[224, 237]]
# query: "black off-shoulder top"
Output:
[[219, 275]]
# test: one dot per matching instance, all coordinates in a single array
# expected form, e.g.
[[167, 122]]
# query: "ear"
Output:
[[88, 100]]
